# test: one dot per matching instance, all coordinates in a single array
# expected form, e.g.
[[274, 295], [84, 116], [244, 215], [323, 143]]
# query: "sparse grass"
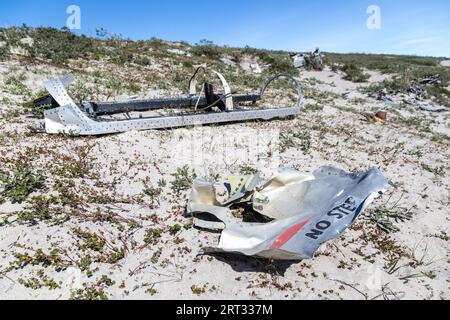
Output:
[[41, 281], [313, 107], [43, 208], [77, 163], [13, 85], [386, 217], [296, 140], [95, 291], [40, 258], [443, 236]]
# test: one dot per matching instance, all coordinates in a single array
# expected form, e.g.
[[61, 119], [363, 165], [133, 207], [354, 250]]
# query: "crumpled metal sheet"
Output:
[[306, 210], [432, 108]]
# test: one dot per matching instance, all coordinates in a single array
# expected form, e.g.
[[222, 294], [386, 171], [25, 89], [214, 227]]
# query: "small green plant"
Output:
[[20, 181], [152, 235], [394, 86], [198, 290], [91, 240], [247, 170], [154, 193], [298, 140], [385, 217], [79, 91], [94, 291], [173, 230], [41, 281], [184, 177], [115, 256], [40, 208], [155, 257], [78, 164], [151, 291], [443, 236], [52, 259], [13, 85]]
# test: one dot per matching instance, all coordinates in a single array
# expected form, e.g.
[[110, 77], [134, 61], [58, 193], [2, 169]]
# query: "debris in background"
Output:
[[382, 95], [435, 81], [227, 61], [417, 92], [299, 61], [310, 61], [88, 118], [179, 52], [299, 211], [255, 68], [377, 117], [432, 108]]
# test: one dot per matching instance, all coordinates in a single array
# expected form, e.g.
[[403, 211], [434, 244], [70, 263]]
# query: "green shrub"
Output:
[[4, 53], [59, 45], [142, 61], [279, 63], [354, 74], [14, 85]]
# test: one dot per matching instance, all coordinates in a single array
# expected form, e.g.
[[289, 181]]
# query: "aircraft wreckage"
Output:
[[288, 217], [90, 118]]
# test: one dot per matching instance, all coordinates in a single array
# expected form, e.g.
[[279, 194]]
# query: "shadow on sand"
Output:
[[242, 263]]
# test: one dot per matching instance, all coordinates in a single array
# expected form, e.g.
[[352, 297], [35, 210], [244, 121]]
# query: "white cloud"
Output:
[[416, 41]]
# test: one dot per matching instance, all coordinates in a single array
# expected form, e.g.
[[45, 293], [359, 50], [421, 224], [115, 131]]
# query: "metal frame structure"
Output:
[[80, 119]]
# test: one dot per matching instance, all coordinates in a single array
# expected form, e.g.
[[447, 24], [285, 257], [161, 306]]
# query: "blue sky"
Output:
[[407, 26]]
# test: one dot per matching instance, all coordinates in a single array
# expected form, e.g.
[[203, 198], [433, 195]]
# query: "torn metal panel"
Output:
[[281, 196], [80, 119], [240, 186], [318, 208]]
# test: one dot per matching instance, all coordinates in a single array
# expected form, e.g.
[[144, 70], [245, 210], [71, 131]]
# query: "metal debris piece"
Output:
[[435, 81], [85, 118], [255, 68], [271, 202], [432, 108], [310, 61], [377, 117], [417, 92], [303, 211]]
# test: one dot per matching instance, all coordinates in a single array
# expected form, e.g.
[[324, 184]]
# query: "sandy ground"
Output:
[[411, 149]]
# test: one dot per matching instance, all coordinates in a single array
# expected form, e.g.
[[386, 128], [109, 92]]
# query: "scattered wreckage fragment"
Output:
[[432, 107], [310, 61], [380, 116], [295, 213], [86, 118]]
